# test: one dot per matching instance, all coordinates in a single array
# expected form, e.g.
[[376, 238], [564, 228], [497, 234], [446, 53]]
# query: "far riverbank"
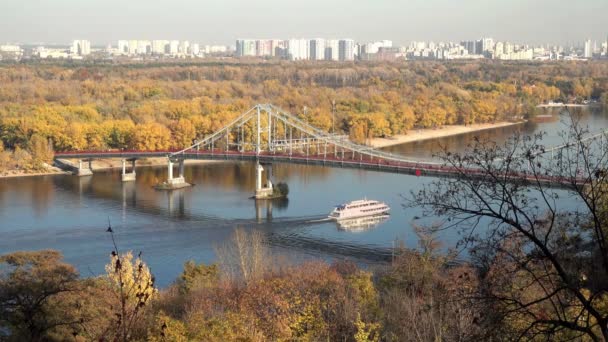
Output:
[[433, 133]]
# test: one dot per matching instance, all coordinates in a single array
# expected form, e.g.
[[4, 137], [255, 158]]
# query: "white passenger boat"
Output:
[[360, 208]]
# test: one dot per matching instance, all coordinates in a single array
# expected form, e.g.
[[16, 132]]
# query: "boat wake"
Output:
[[325, 219]]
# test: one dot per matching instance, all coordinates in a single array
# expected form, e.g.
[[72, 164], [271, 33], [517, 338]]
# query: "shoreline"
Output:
[[567, 105], [434, 133], [12, 174], [101, 165]]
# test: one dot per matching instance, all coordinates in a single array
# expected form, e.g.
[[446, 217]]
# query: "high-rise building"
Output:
[[297, 49], [331, 50], [195, 49], [587, 53], [184, 47], [487, 44], [123, 47], [81, 47], [144, 47], [245, 47], [317, 49], [499, 49], [346, 50], [473, 47], [160, 47], [174, 47], [263, 47], [133, 47]]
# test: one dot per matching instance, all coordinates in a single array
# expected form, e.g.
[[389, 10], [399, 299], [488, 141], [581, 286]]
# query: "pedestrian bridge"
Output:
[[265, 134]]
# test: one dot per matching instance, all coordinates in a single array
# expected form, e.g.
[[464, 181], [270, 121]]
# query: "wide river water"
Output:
[[71, 214]]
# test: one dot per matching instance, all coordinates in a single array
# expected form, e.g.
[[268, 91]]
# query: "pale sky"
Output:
[[223, 21]]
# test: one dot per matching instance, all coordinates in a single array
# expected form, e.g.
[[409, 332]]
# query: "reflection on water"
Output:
[[361, 223], [70, 213], [263, 208]]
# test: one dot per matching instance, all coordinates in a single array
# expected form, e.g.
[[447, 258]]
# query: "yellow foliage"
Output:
[[167, 329], [366, 332], [134, 276], [151, 136]]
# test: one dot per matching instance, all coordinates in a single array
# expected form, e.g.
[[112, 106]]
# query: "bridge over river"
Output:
[[266, 134]]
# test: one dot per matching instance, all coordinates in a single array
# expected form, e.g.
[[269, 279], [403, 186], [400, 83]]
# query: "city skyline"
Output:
[[540, 22]]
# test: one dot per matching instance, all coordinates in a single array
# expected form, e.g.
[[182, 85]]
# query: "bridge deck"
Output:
[[412, 168]]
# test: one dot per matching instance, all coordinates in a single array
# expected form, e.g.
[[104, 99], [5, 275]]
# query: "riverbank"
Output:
[[433, 133], [20, 173], [562, 105], [99, 165]]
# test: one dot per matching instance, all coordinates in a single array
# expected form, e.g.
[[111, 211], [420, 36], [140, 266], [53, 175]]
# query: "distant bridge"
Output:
[[266, 134]]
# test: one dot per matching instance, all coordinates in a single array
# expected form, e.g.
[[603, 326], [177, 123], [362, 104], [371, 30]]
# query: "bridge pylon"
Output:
[[172, 182], [263, 191], [82, 171], [128, 176]]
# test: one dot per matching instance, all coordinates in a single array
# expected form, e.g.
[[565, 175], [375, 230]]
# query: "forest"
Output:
[[50, 107]]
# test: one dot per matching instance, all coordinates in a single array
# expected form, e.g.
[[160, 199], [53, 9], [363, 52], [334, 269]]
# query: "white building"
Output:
[[11, 51], [43, 52], [160, 47], [215, 49], [133, 44], [297, 49], [346, 50], [144, 47], [81, 47], [174, 47], [487, 44], [123, 47], [588, 52], [184, 47], [195, 49], [317, 49], [332, 48]]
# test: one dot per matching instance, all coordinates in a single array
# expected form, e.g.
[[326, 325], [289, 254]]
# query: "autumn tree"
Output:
[[41, 151], [31, 284], [133, 285], [151, 136], [543, 264], [245, 257]]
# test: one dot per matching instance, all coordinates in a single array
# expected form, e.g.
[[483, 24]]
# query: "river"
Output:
[[71, 214]]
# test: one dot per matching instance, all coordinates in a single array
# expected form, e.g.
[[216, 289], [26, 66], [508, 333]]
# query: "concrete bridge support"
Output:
[[128, 177], [174, 182], [262, 191], [81, 171]]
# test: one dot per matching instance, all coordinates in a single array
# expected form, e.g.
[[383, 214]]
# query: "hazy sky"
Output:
[[222, 21]]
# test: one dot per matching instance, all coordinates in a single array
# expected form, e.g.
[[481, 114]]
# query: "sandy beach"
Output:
[[431, 133], [563, 105]]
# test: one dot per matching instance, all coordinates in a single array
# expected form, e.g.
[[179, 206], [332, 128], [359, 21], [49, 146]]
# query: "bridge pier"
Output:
[[128, 177], [262, 192], [173, 183], [81, 172]]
